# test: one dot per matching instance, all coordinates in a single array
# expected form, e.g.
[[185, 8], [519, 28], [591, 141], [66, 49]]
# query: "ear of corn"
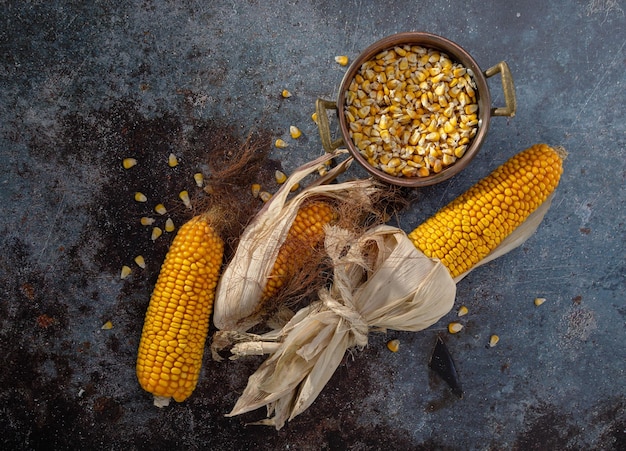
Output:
[[177, 320], [305, 234], [471, 226]]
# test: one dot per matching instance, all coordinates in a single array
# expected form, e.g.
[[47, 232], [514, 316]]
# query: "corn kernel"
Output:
[[172, 161], [463, 311], [156, 232], [199, 179], [294, 132], [341, 60], [184, 196], [160, 209], [125, 272], [393, 345], [107, 326], [539, 301], [493, 340], [255, 189], [169, 225], [454, 328], [129, 163], [140, 261], [140, 197], [294, 187], [146, 221], [314, 117], [265, 196], [280, 177], [286, 94], [280, 144]]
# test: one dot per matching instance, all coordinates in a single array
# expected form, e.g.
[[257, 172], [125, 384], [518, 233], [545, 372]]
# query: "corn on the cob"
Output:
[[306, 232], [177, 320], [471, 226]]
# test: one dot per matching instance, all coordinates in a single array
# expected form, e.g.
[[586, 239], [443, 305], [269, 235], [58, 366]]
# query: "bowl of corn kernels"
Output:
[[414, 108]]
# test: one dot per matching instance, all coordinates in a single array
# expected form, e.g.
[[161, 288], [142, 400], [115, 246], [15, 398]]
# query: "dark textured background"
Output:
[[85, 84]]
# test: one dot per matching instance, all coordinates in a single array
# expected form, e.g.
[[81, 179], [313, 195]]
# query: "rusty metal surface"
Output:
[[84, 85]]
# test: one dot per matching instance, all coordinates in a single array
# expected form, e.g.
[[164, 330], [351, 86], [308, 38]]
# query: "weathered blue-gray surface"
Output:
[[84, 84]]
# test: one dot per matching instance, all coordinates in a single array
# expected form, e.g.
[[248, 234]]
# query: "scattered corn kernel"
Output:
[[125, 272], [393, 345], [156, 232], [265, 196], [286, 94], [463, 311], [294, 187], [341, 60], [146, 221], [280, 177], [169, 225], [539, 301], [107, 326], [172, 161], [294, 132], [199, 178], [184, 196], [256, 189], [280, 144], [453, 328], [140, 261], [160, 209], [140, 197], [493, 340], [314, 117], [129, 163]]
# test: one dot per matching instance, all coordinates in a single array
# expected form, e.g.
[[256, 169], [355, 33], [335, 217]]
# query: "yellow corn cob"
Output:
[[468, 228], [177, 320], [305, 234]]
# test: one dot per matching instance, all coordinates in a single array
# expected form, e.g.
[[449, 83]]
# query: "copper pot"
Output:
[[456, 53]]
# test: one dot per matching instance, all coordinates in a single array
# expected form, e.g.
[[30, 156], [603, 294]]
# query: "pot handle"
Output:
[[321, 108], [508, 89]]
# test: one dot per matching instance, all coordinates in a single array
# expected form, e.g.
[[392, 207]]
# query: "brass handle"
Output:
[[507, 87], [321, 107]]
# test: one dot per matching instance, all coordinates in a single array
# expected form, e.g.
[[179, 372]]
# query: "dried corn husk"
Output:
[[239, 293], [381, 281]]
